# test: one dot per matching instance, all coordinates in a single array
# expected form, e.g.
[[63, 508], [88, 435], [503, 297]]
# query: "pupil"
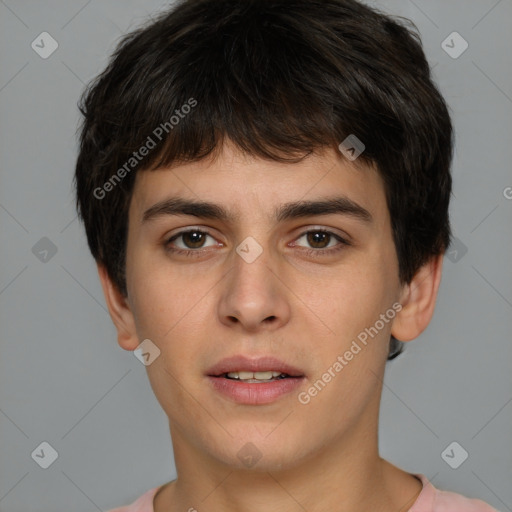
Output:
[[317, 237], [194, 235]]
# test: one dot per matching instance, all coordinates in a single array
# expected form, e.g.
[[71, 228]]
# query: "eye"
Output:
[[192, 240], [323, 242]]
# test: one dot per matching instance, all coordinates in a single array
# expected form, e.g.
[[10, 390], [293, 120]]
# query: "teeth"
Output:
[[254, 375]]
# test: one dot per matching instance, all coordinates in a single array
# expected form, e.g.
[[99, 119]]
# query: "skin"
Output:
[[303, 309]]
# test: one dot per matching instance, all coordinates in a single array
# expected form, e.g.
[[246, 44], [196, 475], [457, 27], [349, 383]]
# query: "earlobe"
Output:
[[119, 310], [418, 301]]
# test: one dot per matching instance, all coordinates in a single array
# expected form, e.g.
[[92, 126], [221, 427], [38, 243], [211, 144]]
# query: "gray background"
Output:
[[63, 378]]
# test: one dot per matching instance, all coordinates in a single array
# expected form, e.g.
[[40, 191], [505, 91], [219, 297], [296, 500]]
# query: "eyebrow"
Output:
[[202, 209]]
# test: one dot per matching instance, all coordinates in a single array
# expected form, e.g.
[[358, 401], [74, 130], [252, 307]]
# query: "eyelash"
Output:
[[310, 252]]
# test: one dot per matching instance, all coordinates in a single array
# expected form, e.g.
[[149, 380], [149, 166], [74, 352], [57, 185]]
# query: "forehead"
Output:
[[248, 186]]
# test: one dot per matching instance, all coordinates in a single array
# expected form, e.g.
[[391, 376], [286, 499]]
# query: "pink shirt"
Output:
[[429, 500]]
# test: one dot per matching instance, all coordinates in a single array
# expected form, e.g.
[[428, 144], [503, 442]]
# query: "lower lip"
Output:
[[255, 393]]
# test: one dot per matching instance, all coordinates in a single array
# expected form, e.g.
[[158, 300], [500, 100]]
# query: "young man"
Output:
[[265, 188]]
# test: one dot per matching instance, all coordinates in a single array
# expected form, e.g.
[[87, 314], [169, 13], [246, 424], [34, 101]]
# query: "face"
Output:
[[263, 288]]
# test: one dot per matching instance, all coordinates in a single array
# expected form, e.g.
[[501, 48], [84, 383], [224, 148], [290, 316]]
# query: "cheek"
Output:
[[160, 295], [169, 304], [348, 301], [350, 304], [174, 307], [346, 373]]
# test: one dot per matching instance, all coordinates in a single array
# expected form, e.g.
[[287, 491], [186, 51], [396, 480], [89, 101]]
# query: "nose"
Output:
[[254, 296]]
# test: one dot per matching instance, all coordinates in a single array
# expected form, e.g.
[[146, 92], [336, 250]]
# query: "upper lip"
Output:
[[259, 364]]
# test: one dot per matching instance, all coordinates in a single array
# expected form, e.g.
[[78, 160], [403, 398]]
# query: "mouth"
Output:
[[254, 381], [259, 369], [256, 377]]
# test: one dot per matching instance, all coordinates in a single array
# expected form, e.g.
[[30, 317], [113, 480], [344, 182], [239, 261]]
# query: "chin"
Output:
[[261, 452]]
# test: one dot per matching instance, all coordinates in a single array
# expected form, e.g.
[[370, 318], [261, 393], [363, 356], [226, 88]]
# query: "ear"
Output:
[[120, 311], [418, 300]]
